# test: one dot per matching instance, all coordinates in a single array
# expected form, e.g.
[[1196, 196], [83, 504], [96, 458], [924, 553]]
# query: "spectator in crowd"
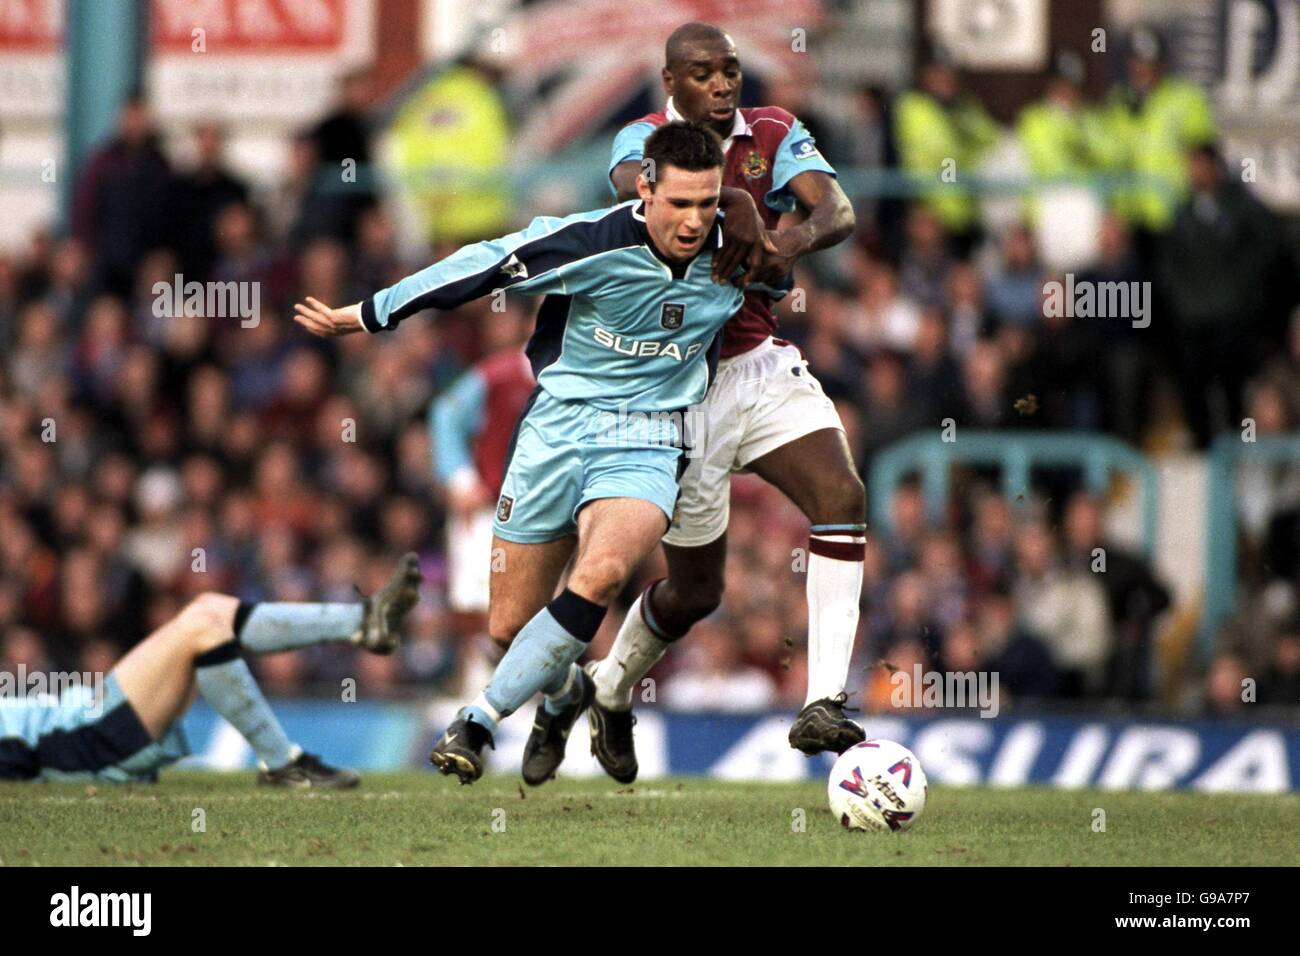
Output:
[[888, 682], [1057, 364], [1214, 269], [925, 260], [1067, 607], [121, 198], [1061, 135], [1225, 688], [1134, 595], [908, 524], [866, 141], [37, 357], [1127, 354], [990, 551], [1003, 647], [1149, 123], [940, 131], [985, 401], [1281, 684], [968, 316], [890, 413], [1015, 291], [341, 147], [911, 621], [454, 134], [886, 317], [200, 193], [1268, 492], [932, 377]]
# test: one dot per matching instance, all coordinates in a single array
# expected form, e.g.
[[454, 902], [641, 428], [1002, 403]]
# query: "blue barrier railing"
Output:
[[1017, 454], [1227, 454]]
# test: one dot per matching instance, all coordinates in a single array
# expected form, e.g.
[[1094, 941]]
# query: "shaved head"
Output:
[[702, 76], [689, 36]]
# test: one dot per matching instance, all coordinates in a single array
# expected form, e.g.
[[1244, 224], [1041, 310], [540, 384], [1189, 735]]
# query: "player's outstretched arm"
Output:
[[531, 261], [319, 319]]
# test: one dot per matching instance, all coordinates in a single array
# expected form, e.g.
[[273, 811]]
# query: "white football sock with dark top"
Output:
[[835, 556], [637, 648]]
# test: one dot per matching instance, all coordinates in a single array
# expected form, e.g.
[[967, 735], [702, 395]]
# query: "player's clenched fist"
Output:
[[319, 319]]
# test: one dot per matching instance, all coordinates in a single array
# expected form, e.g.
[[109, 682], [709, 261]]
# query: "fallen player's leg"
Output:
[[134, 730]]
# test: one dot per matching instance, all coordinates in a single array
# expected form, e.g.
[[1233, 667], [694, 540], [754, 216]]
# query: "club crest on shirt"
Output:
[[505, 507], [672, 316], [754, 166]]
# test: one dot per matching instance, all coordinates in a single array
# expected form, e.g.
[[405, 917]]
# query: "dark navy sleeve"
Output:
[[531, 261]]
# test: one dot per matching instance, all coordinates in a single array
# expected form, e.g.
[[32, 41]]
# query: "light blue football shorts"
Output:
[[567, 453], [76, 737]]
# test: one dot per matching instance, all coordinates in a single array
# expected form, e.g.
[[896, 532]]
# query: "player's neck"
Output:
[[678, 266]]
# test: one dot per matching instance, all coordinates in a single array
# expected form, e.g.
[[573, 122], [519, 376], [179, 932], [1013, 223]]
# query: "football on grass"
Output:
[[877, 785]]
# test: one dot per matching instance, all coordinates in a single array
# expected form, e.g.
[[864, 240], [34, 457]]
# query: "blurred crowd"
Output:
[[149, 454], [987, 590]]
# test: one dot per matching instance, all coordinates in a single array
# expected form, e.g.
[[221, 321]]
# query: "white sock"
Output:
[[834, 587], [636, 649]]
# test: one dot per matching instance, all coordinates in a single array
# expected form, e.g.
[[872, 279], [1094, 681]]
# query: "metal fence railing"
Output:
[[1228, 453], [1016, 454]]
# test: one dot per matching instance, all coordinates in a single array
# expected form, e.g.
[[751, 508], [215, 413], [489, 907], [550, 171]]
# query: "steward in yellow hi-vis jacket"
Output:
[[1062, 137], [942, 136], [450, 143], [1150, 123]]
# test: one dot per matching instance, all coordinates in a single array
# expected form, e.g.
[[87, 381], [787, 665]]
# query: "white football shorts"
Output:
[[759, 401], [469, 561]]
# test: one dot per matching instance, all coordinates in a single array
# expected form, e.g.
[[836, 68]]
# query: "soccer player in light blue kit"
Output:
[[626, 337]]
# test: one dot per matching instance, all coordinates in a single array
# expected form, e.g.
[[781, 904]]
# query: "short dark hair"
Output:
[[689, 146]]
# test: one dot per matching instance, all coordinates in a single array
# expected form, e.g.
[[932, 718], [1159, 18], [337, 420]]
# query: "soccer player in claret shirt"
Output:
[[623, 345], [471, 425], [764, 413]]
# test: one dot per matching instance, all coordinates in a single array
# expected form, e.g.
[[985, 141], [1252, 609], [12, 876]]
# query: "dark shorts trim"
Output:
[[115, 737]]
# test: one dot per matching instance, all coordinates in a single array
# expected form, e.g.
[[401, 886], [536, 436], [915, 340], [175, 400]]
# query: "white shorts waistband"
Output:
[[763, 347]]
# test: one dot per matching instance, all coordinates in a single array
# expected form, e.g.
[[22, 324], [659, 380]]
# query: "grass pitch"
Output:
[[417, 818]]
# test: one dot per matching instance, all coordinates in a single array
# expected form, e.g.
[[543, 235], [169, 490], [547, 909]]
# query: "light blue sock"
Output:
[[539, 657], [274, 626], [233, 693], [564, 691]]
